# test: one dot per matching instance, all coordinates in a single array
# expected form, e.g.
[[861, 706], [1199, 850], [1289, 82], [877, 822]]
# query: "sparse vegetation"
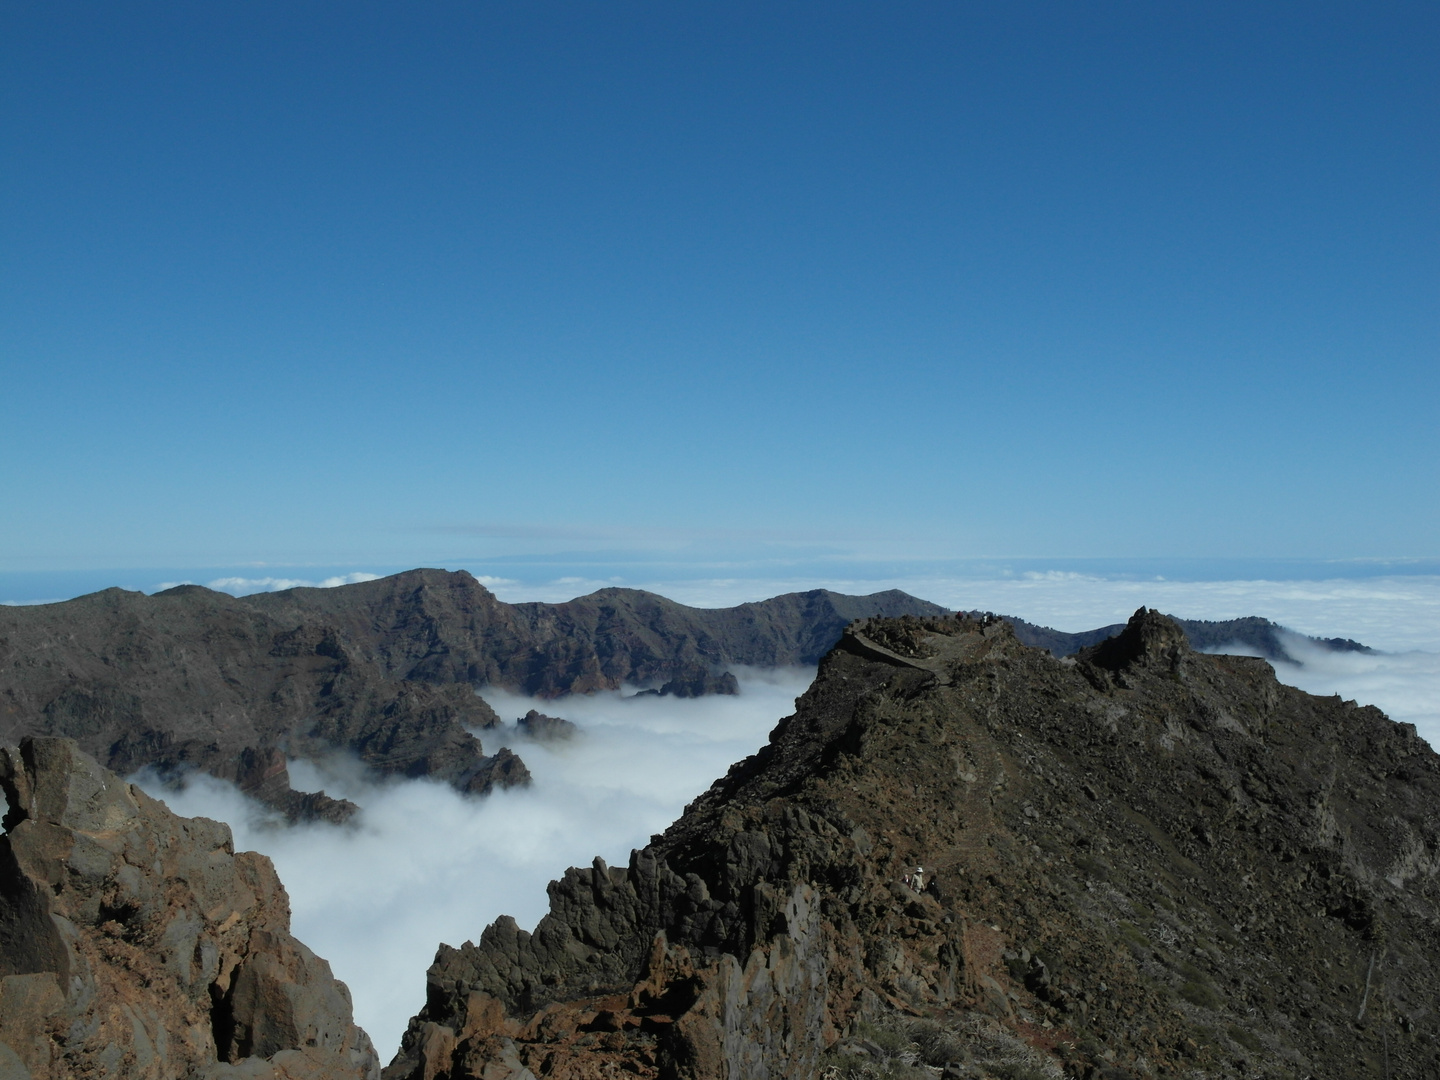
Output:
[[1131, 933], [937, 1044], [1246, 1039], [900, 1048], [1201, 993]]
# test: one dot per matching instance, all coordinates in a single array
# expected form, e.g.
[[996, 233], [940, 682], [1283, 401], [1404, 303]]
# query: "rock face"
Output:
[[386, 670], [539, 726], [135, 943], [1141, 861]]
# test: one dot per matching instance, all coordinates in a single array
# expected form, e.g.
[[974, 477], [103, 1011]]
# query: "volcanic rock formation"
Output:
[[135, 943], [539, 726], [962, 856]]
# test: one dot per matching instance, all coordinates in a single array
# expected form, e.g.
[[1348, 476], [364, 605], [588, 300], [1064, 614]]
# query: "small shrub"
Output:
[[893, 1042], [852, 1067], [937, 1045], [1246, 1039], [1201, 994], [1132, 935], [1017, 1071]]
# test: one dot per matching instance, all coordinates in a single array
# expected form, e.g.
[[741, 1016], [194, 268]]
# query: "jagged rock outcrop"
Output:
[[547, 728], [504, 770], [1139, 861], [135, 943]]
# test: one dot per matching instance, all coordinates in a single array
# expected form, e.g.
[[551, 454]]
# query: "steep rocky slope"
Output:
[[1140, 861], [138, 944], [387, 669]]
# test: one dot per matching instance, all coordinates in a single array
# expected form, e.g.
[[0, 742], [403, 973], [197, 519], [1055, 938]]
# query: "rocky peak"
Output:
[[1146, 862], [135, 943], [546, 728], [1149, 639]]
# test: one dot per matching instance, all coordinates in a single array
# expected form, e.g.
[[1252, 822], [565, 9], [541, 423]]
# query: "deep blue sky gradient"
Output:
[[355, 284]]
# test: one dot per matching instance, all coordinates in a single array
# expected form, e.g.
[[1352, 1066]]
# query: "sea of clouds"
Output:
[[425, 865]]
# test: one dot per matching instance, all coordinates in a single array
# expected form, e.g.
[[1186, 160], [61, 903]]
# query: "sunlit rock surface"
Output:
[[135, 943]]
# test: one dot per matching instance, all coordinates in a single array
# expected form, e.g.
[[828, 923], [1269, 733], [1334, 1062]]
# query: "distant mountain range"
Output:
[[1252, 633], [388, 669]]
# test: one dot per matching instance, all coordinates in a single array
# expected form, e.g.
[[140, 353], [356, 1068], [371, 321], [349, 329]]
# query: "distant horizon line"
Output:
[[586, 575]]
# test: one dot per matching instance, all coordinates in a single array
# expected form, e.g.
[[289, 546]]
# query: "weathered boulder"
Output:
[[135, 943]]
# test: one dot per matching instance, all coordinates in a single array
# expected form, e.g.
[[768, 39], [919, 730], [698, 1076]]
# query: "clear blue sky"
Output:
[[363, 284]]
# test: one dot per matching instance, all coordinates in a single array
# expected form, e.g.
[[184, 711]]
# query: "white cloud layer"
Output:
[[243, 586], [426, 865]]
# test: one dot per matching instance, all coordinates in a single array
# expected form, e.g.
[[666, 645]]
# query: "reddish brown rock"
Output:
[[135, 943]]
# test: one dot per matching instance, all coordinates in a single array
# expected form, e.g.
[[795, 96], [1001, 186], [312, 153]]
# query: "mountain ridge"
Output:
[[191, 678], [1139, 861]]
